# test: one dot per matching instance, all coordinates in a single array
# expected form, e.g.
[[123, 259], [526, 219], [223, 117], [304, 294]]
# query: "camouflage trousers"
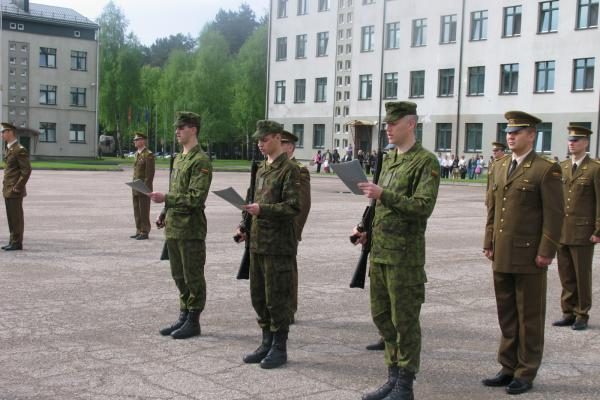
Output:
[[271, 290], [396, 306], [187, 258]]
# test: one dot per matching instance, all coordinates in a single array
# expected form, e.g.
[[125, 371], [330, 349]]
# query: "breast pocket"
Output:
[[527, 193], [583, 187]]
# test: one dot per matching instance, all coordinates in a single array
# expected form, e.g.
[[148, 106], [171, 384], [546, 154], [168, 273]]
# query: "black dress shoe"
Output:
[[142, 236], [499, 380], [579, 325], [5, 246], [518, 386], [379, 345], [135, 236], [14, 246], [564, 321]]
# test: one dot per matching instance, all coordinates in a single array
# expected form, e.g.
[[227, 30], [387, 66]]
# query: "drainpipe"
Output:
[[381, 80], [268, 62], [460, 68]]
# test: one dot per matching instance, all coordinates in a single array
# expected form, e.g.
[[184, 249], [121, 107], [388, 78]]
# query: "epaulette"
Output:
[[596, 161], [548, 160], [503, 157]]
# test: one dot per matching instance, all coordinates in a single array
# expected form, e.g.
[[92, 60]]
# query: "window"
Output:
[[583, 74], [544, 76], [79, 60], [346, 95], [501, 133], [341, 18], [300, 91], [443, 136], [511, 25], [77, 133], [548, 17], [340, 65], [348, 64], [349, 33], [281, 8], [448, 29], [47, 132], [473, 139], [48, 94], [318, 136], [339, 81], [367, 42], [390, 89], [346, 110], [298, 130], [322, 40], [587, 14], [368, 2], [348, 48], [320, 90], [509, 78], [419, 32], [341, 34], [279, 92], [479, 20], [340, 50], [543, 143], [365, 90], [323, 5], [419, 132], [338, 95], [347, 80], [446, 82], [301, 46], [47, 57], [476, 84], [78, 97], [417, 83], [302, 7], [281, 49], [392, 35], [349, 17]]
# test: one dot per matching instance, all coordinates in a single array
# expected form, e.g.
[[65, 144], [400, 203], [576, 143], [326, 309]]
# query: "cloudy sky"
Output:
[[152, 19]]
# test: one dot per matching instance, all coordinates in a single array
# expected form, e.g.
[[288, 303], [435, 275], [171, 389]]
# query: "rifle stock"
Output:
[[164, 255], [244, 270], [360, 272]]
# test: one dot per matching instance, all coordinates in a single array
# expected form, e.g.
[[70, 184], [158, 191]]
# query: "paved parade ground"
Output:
[[81, 306]]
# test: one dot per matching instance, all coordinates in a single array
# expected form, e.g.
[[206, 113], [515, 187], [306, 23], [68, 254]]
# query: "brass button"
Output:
[[502, 220], [527, 244], [504, 209], [500, 231], [504, 199]]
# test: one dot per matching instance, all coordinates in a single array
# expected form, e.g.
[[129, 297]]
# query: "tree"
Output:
[[250, 71], [158, 53], [235, 26]]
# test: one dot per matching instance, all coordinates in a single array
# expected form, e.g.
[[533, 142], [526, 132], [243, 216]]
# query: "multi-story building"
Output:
[[48, 77], [334, 63]]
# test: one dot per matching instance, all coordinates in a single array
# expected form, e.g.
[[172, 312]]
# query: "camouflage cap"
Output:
[[398, 109], [6, 126], [578, 132], [187, 118], [498, 146], [139, 135], [288, 137], [518, 120], [266, 127]]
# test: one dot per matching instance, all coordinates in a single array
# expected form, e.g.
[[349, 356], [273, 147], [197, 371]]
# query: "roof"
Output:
[[42, 12]]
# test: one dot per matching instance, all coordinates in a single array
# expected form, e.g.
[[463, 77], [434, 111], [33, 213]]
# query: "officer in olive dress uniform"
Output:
[[580, 231], [525, 209], [406, 195], [273, 244], [143, 169], [498, 150], [288, 142], [185, 224], [17, 170]]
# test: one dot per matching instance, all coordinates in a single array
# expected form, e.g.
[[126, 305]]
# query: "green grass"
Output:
[[116, 164]]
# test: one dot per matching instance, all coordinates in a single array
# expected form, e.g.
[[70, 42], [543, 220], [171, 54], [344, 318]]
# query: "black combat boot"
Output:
[[403, 389], [277, 356], [262, 350], [386, 388], [176, 325], [190, 328]]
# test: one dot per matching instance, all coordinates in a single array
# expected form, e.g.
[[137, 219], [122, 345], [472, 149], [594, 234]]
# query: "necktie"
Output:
[[574, 169], [513, 166]]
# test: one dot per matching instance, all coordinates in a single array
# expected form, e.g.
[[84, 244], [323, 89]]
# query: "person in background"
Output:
[[143, 169]]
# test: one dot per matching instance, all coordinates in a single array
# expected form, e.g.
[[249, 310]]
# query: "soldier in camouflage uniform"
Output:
[[273, 244], [288, 142], [406, 196], [186, 225], [143, 169]]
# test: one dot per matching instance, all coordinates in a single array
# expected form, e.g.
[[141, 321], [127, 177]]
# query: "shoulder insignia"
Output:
[[434, 173], [204, 171], [596, 161], [503, 157], [557, 174], [548, 160]]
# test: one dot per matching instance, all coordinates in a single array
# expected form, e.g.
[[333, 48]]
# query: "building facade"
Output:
[[334, 63], [48, 77]]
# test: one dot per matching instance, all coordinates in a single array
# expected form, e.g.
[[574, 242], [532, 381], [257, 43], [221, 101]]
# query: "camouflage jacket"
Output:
[[277, 192], [143, 168], [304, 198], [17, 170], [410, 183], [190, 183]]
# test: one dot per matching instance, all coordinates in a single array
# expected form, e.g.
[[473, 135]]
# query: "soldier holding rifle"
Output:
[[273, 244], [406, 194]]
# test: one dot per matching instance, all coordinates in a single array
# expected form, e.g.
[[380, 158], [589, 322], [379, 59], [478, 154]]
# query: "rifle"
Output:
[[365, 225], [244, 271], [164, 255]]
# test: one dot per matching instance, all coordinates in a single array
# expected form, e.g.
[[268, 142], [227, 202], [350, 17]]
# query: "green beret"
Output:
[[6, 126], [288, 137], [187, 118], [139, 135], [266, 127], [397, 109], [578, 132], [518, 120]]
